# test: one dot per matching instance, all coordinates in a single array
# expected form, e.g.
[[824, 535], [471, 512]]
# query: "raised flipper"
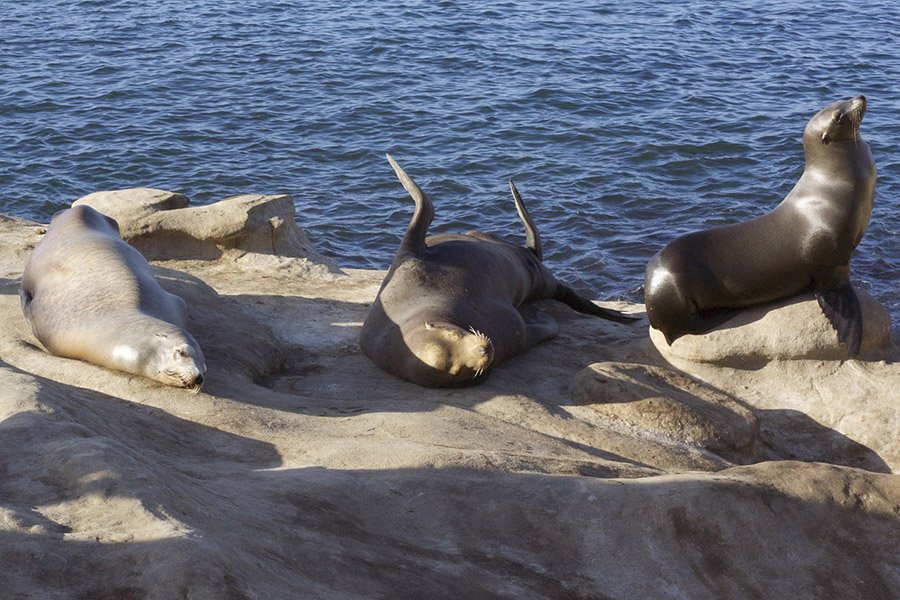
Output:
[[414, 238], [568, 296], [532, 237], [539, 326], [841, 306]]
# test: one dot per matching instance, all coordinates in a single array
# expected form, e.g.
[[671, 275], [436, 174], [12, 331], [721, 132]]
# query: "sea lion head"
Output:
[[170, 357], [451, 355], [837, 122]]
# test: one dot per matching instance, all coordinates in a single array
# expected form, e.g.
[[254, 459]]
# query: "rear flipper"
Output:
[[567, 295], [841, 306], [539, 326]]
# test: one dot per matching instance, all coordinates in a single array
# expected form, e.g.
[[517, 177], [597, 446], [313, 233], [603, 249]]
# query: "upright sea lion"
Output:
[[702, 279], [89, 295], [451, 305]]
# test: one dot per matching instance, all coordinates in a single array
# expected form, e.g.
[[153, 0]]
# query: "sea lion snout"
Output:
[[858, 108], [450, 355]]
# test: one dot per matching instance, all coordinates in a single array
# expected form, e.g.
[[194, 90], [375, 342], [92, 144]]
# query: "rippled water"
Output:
[[622, 123]]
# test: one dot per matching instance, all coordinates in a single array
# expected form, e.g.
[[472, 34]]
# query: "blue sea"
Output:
[[622, 123]]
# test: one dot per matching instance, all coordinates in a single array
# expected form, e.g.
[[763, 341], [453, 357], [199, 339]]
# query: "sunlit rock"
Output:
[[790, 329]]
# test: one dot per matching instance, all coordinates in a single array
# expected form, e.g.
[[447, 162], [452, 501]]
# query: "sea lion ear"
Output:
[[429, 326], [826, 139]]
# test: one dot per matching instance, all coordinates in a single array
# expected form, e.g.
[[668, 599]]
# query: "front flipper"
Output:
[[539, 326], [841, 306]]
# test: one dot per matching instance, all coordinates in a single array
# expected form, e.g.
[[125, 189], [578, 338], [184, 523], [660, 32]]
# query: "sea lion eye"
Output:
[[180, 352]]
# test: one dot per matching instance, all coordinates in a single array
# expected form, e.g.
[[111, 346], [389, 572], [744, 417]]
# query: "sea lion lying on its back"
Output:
[[89, 295], [449, 308], [702, 279]]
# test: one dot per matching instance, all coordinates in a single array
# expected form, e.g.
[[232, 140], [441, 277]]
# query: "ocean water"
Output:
[[622, 123]]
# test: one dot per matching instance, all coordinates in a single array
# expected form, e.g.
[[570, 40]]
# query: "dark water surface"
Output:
[[622, 123]]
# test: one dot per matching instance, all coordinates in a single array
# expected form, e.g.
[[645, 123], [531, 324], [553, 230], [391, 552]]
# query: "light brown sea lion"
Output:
[[702, 279], [89, 295], [452, 306]]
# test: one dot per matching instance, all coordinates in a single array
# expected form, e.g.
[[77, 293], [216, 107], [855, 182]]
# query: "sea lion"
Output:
[[89, 295], [452, 306], [702, 279]]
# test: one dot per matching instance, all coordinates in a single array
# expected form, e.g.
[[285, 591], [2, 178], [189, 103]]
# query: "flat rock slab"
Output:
[[667, 403], [791, 329], [162, 226], [129, 205]]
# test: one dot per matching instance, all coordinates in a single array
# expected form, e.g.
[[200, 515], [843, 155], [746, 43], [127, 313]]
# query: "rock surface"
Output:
[[162, 226], [666, 403], [589, 467], [791, 329]]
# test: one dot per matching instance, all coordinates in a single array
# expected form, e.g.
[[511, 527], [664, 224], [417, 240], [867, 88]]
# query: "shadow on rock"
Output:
[[234, 341], [793, 435], [9, 286], [93, 486], [233, 532], [669, 403]]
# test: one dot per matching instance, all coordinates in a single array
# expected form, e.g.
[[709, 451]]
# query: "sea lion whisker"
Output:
[[479, 334]]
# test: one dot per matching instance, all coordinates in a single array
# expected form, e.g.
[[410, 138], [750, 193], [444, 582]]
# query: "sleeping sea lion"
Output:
[[452, 306], [89, 295]]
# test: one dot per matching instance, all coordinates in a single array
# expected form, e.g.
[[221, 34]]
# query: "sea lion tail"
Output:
[[568, 296], [532, 237], [414, 238]]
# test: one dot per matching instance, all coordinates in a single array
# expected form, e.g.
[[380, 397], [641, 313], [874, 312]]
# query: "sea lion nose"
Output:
[[198, 380]]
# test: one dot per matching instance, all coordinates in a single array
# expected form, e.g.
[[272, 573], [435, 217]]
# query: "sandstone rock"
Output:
[[790, 329], [162, 227], [129, 205], [663, 402], [340, 481]]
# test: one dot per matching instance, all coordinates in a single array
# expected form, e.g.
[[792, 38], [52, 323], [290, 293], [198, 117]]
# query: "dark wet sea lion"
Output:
[[701, 279], [452, 306], [89, 295]]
